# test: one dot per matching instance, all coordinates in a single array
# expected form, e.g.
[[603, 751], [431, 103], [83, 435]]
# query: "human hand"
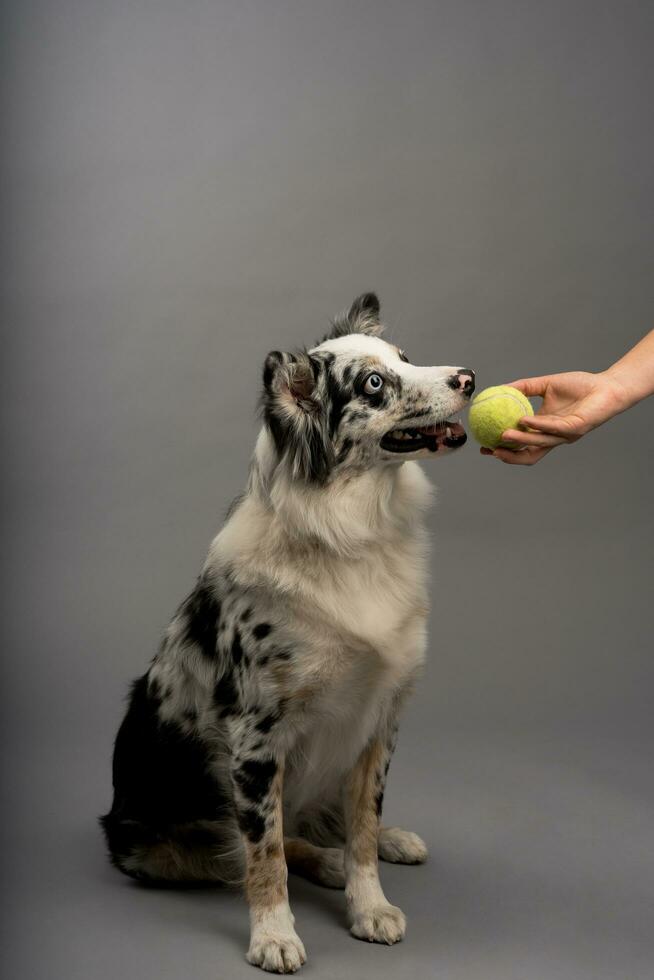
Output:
[[573, 404]]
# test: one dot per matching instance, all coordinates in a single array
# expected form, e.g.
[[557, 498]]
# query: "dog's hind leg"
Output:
[[201, 851], [322, 865], [401, 846]]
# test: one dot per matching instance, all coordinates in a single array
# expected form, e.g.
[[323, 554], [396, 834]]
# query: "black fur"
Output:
[[225, 695], [261, 631], [161, 779], [201, 612], [253, 777]]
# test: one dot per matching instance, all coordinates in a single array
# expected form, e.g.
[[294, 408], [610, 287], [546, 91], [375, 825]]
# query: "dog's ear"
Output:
[[295, 413], [362, 317], [290, 379]]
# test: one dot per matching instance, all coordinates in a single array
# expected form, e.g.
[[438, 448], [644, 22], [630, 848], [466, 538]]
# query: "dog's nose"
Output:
[[463, 381]]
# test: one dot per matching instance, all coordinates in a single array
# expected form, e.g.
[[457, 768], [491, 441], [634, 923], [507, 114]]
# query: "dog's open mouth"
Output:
[[446, 434]]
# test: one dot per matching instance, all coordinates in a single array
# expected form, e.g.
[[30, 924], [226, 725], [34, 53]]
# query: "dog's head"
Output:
[[355, 401]]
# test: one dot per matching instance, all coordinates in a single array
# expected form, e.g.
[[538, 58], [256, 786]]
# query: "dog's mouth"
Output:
[[441, 435]]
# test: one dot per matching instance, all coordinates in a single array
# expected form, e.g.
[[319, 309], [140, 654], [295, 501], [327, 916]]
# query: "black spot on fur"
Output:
[[225, 695], [251, 823], [245, 615], [261, 630], [338, 395], [201, 612], [344, 450], [379, 802], [267, 722], [254, 777]]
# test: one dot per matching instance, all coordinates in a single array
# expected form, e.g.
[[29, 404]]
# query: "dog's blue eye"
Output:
[[374, 383]]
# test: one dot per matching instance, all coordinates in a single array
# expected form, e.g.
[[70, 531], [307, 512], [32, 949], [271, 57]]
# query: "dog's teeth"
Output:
[[411, 434], [448, 432]]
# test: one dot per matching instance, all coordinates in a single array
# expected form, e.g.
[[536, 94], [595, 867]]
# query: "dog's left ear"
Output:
[[294, 413], [362, 317]]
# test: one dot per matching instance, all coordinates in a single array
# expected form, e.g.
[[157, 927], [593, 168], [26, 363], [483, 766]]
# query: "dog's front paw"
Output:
[[401, 846], [379, 924], [277, 953]]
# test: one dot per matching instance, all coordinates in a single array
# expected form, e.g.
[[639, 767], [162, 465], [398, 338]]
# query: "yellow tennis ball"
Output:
[[495, 409]]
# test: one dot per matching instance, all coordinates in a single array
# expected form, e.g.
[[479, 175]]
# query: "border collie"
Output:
[[260, 737]]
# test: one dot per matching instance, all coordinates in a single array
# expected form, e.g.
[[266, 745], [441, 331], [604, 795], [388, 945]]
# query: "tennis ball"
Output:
[[495, 409]]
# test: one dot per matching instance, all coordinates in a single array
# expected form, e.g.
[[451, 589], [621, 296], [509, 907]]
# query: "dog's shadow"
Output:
[[205, 907]]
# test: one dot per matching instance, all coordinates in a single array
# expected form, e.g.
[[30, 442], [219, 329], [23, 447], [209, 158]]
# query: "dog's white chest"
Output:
[[339, 722], [381, 602]]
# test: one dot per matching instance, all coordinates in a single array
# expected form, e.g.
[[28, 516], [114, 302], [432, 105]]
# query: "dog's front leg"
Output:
[[371, 916], [274, 943]]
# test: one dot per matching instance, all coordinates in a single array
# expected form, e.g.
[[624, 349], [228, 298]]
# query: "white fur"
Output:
[[348, 562], [274, 944], [371, 915]]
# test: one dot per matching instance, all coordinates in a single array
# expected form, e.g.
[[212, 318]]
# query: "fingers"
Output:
[[555, 425], [524, 457], [531, 438]]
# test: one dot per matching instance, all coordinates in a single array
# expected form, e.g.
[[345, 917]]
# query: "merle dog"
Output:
[[260, 736]]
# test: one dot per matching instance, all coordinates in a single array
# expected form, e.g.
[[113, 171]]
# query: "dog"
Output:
[[260, 737]]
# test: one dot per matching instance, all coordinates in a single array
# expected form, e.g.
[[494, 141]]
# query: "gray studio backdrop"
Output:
[[190, 184]]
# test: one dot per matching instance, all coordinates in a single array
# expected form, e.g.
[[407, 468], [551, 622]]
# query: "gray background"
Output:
[[188, 185]]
